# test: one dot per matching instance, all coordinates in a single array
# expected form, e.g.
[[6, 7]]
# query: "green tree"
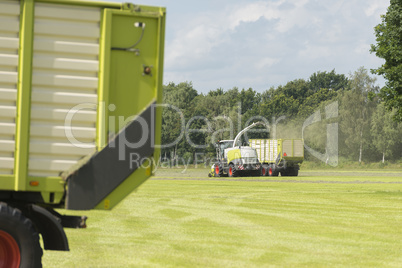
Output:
[[178, 99], [389, 47], [385, 131], [313, 101], [355, 112], [279, 105], [297, 89], [329, 80], [247, 98]]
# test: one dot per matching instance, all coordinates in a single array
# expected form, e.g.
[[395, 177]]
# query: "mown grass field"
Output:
[[185, 219]]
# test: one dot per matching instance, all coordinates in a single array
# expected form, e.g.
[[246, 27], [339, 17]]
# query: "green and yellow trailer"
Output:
[[276, 156], [80, 114]]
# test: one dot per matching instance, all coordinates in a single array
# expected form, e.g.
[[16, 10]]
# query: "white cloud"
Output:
[[259, 44], [266, 62], [200, 35], [362, 48], [252, 12], [376, 8]]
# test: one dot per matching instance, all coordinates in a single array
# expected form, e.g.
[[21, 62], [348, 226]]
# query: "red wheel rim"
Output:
[[230, 171], [270, 171], [217, 169], [10, 255], [263, 171]]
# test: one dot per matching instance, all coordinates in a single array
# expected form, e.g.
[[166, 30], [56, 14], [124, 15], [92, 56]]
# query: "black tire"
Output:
[[232, 172], [19, 239], [255, 173], [293, 172], [272, 172], [290, 172], [218, 171], [264, 170]]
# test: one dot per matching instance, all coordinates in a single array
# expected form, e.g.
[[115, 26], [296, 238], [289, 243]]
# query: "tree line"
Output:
[[389, 48], [192, 122]]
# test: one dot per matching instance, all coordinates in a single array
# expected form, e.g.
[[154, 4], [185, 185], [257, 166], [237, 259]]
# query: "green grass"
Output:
[[347, 164], [320, 219]]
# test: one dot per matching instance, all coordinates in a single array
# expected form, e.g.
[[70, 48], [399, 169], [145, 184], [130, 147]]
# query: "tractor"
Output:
[[235, 160]]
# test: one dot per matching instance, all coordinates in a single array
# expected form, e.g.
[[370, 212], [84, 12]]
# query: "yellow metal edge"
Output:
[[108, 4], [137, 178], [159, 84], [24, 94], [103, 87], [101, 4]]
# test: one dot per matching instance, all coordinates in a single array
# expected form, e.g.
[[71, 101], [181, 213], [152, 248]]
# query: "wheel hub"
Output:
[[10, 255]]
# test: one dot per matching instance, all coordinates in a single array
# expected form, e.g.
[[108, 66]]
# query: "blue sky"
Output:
[[260, 44]]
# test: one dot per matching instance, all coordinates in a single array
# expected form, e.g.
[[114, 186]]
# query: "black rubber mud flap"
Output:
[[54, 237], [108, 168]]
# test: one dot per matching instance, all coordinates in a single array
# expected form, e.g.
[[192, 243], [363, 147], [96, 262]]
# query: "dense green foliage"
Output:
[[193, 122], [389, 47]]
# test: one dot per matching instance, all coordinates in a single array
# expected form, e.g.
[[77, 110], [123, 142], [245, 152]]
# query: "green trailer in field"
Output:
[[80, 120], [279, 155]]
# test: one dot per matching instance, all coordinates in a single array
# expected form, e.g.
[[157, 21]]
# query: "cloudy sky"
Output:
[[260, 44]]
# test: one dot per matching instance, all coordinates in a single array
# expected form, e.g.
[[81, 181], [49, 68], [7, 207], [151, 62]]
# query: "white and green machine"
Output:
[[234, 160], [263, 157], [282, 156], [80, 120]]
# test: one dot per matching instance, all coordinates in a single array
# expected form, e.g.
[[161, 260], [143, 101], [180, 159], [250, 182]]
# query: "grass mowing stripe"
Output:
[[198, 223]]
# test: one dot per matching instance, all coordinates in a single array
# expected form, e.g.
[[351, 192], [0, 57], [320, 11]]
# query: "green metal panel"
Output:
[[7, 182], [129, 89], [144, 172], [24, 94], [233, 155], [267, 149], [291, 156], [51, 188], [126, 88], [267, 154], [49, 184]]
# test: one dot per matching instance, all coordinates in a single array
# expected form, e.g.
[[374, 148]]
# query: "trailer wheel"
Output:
[[290, 172], [293, 172], [264, 170], [232, 172], [272, 172], [10, 254], [19, 241]]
